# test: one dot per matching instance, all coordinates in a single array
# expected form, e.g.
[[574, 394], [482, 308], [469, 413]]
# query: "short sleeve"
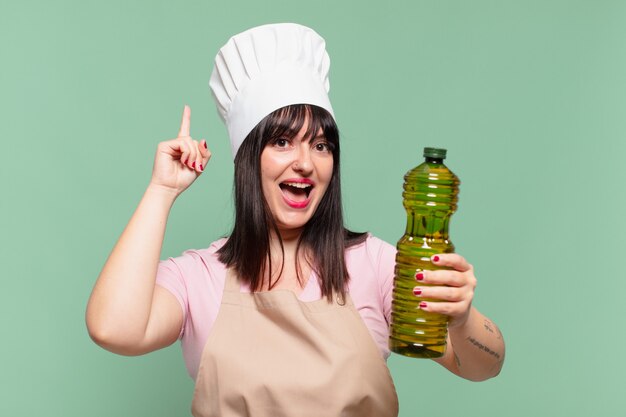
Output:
[[170, 276], [384, 258]]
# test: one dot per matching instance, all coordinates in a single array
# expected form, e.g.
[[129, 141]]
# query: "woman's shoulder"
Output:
[[192, 262], [371, 252], [209, 253], [371, 246]]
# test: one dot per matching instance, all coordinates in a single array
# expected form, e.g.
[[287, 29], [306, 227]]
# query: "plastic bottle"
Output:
[[430, 198]]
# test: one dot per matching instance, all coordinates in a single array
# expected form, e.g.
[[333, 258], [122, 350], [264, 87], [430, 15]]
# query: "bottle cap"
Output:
[[438, 153]]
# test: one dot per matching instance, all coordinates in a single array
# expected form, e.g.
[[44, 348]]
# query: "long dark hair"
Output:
[[324, 237]]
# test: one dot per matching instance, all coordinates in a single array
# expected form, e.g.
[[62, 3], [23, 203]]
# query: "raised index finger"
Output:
[[185, 123]]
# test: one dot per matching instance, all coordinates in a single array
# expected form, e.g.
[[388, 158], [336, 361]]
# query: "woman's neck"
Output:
[[287, 258], [289, 239]]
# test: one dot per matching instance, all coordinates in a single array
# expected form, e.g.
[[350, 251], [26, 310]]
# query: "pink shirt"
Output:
[[196, 279]]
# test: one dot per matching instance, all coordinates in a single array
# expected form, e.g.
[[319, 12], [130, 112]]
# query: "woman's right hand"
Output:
[[178, 162]]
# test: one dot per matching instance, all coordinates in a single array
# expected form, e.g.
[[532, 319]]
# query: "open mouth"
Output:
[[297, 192]]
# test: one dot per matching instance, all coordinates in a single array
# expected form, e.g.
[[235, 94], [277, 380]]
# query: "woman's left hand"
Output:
[[452, 289]]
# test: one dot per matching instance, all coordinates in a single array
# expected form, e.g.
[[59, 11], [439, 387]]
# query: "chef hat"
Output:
[[266, 68]]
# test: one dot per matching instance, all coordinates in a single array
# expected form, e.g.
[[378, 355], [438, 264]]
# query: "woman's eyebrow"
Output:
[[314, 138]]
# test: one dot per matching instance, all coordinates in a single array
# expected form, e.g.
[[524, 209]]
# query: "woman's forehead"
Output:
[[298, 121], [304, 131]]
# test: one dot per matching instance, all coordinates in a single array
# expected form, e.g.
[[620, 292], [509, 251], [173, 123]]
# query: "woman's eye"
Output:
[[322, 147], [281, 143]]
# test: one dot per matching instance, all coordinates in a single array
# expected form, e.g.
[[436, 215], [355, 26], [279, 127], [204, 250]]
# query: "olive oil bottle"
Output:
[[430, 198]]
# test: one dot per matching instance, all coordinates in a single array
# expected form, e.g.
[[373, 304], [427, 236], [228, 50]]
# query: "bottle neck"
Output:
[[431, 160]]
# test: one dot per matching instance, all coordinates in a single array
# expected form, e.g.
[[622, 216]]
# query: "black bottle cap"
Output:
[[437, 153]]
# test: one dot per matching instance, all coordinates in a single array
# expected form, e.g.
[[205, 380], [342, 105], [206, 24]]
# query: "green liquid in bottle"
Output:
[[430, 198]]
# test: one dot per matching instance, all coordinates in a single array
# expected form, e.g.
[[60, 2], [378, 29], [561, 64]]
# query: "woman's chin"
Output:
[[293, 223]]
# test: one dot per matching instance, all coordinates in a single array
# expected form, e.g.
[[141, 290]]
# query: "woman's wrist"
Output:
[[165, 194]]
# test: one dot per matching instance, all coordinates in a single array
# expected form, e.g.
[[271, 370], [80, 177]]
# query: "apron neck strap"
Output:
[[233, 285]]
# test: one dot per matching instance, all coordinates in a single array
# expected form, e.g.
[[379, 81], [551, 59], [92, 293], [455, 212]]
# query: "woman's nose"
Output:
[[302, 162]]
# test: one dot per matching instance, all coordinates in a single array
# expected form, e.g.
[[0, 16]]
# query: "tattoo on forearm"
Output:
[[492, 328], [483, 347], [488, 325]]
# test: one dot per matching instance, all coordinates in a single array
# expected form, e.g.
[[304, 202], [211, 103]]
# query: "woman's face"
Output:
[[295, 173]]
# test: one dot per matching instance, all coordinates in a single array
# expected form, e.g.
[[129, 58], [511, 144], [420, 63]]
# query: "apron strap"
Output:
[[232, 283]]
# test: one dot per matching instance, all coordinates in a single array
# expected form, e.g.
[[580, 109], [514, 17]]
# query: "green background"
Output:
[[529, 97]]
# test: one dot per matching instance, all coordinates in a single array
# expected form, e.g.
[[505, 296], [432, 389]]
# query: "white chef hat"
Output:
[[266, 68]]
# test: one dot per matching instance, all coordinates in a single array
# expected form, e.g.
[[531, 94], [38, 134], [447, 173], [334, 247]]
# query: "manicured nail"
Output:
[[201, 167], [185, 163], [423, 304], [435, 258], [205, 147], [193, 165], [419, 276], [417, 291]]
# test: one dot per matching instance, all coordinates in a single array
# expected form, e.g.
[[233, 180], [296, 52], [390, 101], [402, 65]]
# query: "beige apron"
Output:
[[271, 355]]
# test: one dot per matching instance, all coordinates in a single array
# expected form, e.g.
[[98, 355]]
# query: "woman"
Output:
[[303, 303]]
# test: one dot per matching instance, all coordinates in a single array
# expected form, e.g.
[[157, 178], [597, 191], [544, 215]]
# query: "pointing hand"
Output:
[[178, 162]]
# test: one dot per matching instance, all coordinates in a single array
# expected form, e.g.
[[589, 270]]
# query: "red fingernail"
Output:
[[201, 167], [435, 258], [205, 147], [423, 304], [193, 165], [185, 163], [417, 291], [419, 276]]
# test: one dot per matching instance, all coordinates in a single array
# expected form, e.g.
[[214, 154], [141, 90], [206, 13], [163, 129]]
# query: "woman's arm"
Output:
[[124, 297], [127, 313], [475, 349]]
